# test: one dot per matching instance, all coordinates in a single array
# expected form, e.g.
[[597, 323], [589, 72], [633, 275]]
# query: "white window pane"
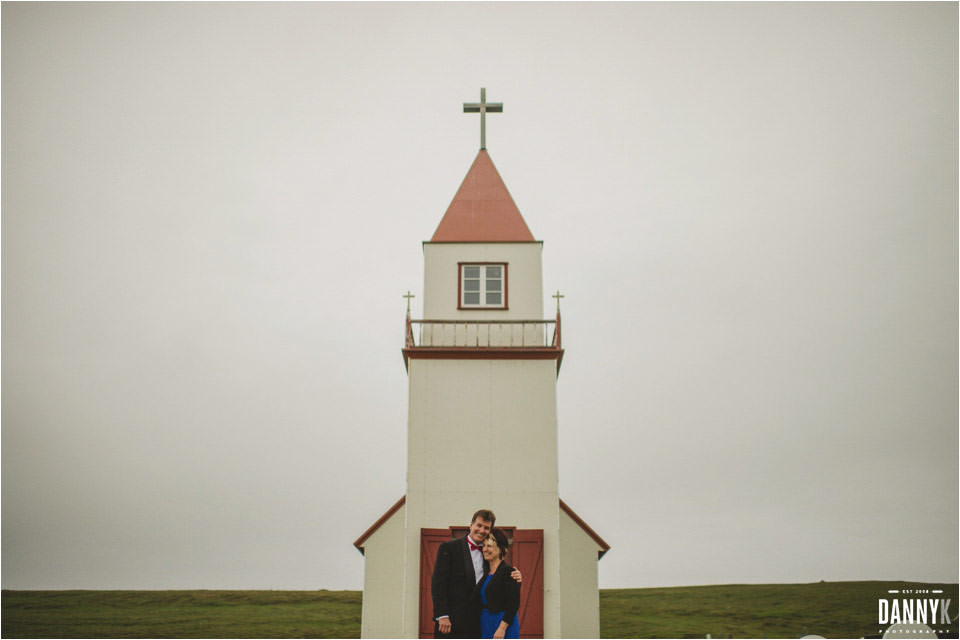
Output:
[[471, 285], [493, 285], [471, 298], [471, 272], [494, 272], [493, 298]]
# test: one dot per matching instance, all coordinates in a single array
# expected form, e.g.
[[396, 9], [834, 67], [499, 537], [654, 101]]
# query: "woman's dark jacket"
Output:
[[503, 593]]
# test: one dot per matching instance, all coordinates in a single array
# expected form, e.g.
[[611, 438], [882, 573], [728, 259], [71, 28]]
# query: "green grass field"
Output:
[[181, 614], [829, 609]]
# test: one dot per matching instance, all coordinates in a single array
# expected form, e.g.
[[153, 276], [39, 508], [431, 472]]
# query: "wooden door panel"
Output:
[[528, 553], [430, 541]]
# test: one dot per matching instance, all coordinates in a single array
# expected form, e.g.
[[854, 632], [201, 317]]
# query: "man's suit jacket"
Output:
[[452, 584]]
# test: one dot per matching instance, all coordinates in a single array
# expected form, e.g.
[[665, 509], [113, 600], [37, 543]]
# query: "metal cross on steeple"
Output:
[[483, 107], [558, 295], [408, 295]]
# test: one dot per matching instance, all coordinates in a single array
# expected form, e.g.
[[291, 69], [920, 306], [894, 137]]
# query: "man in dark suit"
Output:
[[459, 567]]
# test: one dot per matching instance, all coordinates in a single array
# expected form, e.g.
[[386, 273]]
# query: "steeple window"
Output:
[[483, 285]]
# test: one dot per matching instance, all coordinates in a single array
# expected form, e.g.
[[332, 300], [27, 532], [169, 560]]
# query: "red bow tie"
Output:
[[474, 547]]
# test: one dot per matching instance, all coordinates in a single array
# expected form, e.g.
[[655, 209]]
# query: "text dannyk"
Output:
[[914, 611]]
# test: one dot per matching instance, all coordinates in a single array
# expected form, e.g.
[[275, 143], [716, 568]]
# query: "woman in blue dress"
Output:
[[497, 592]]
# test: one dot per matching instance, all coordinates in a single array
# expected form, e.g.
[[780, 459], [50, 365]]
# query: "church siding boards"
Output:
[[382, 547], [579, 580], [482, 423]]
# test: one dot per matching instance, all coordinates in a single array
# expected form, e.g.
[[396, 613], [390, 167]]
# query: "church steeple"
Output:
[[482, 363], [482, 210]]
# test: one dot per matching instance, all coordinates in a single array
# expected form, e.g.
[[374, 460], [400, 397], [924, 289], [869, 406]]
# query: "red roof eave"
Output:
[[604, 547], [379, 523]]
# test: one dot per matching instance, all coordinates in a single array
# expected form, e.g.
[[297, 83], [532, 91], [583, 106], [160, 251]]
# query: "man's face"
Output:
[[479, 529]]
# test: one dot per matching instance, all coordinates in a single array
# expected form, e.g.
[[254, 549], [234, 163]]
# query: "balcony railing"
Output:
[[497, 334]]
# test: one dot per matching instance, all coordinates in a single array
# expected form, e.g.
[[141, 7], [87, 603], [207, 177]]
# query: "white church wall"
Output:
[[483, 434], [382, 614], [579, 581], [524, 279], [500, 415]]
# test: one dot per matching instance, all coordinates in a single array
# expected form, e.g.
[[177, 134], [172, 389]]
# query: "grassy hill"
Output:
[[834, 609]]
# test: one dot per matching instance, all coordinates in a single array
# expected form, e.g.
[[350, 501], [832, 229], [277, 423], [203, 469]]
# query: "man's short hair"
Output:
[[485, 514]]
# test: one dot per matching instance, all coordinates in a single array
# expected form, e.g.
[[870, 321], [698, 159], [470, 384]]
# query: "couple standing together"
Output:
[[475, 593]]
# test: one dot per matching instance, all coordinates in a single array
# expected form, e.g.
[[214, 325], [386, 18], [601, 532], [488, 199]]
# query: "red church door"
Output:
[[430, 541], [526, 554]]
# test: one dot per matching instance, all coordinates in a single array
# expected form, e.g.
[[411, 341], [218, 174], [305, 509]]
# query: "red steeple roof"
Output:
[[482, 210]]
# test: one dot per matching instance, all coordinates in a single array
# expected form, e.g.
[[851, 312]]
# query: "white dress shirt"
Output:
[[477, 556]]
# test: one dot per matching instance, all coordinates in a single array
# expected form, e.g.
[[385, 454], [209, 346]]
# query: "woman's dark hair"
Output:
[[502, 541]]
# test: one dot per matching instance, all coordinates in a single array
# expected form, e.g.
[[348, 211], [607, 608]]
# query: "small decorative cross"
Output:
[[558, 295], [408, 296], [483, 107]]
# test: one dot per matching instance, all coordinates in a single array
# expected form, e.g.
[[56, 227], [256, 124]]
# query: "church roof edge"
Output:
[[604, 547], [379, 523], [540, 242]]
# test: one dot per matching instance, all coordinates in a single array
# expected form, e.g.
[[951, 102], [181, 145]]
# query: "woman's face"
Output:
[[490, 549]]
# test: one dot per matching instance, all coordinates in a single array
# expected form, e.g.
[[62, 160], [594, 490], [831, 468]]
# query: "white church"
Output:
[[482, 367]]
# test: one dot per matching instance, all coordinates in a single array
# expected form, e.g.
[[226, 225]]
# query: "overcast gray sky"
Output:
[[210, 212]]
